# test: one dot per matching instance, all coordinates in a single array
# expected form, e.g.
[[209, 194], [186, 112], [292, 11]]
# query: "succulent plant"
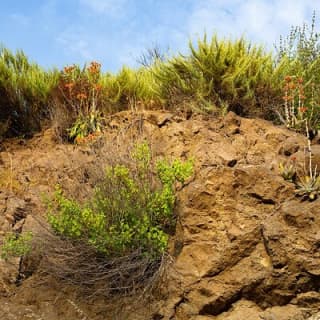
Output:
[[288, 171], [308, 187]]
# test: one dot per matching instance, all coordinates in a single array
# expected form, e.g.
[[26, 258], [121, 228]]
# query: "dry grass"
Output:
[[8, 178], [78, 265]]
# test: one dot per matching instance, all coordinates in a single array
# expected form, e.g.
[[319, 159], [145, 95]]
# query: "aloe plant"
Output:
[[308, 186], [288, 171]]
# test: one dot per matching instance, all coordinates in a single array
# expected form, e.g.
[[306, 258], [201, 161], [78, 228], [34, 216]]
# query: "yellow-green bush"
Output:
[[214, 77], [24, 93], [126, 213], [134, 89], [220, 74]]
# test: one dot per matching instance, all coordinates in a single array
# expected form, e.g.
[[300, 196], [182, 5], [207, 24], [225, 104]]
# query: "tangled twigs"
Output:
[[78, 264]]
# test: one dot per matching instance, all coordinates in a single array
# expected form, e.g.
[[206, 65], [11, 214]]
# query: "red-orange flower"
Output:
[[91, 136], [98, 87], [81, 96], [288, 78], [69, 85], [303, 109], [292, 85], [68, 69], [78, 139], [94, 67], [300, 80]]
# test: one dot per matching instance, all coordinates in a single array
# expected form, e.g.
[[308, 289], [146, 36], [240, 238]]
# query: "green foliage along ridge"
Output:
[[215, 76]]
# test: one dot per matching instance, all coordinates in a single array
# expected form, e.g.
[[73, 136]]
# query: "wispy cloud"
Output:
[[105, 7], [259, 20], [118, 31]]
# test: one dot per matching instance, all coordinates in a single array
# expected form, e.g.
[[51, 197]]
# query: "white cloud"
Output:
[[109, 7], [131, 30], [262, 21]]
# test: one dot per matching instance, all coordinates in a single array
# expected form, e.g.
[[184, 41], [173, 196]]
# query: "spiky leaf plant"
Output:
[[308, 187], [218, 73]]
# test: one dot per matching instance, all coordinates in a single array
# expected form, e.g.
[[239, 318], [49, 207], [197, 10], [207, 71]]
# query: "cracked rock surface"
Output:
[[245, 247]]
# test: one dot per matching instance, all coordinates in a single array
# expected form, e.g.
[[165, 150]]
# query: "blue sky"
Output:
[[116, 32]]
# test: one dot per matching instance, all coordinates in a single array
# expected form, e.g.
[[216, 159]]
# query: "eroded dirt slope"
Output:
[[245, 246]]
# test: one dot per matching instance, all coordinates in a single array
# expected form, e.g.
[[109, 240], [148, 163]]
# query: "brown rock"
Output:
[[289, 312], [244, 248], [241, 310]]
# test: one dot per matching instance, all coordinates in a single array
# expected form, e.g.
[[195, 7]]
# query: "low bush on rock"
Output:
[[123, 230]]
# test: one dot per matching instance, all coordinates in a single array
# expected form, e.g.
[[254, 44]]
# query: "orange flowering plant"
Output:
[[295, 111], [299, 107], [301, 112], [80, 93]]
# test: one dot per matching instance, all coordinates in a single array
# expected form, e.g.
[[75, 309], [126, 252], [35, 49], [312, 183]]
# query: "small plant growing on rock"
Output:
[[298, 116], [16, 245], [288, 170], [308, 186]]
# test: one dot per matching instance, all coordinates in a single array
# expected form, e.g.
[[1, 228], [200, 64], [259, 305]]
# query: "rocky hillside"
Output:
[[245, 246]]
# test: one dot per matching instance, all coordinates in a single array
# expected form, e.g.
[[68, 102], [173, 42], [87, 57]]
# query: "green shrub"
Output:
[[24, 93], [301, 45], [127, 213], [220, 75], [16, 245], [134, 89]]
